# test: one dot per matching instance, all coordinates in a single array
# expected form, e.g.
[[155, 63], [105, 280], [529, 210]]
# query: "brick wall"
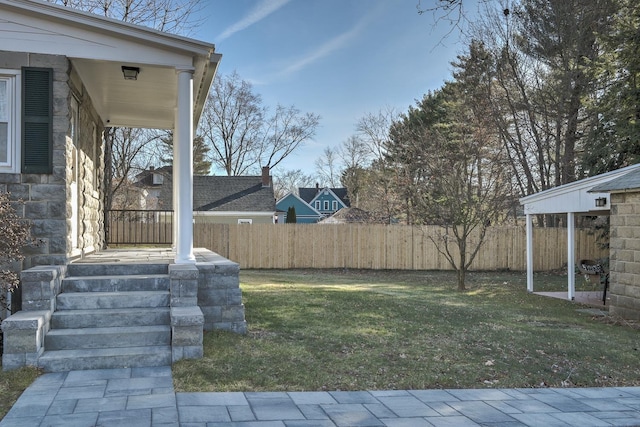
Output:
[[625, 256]]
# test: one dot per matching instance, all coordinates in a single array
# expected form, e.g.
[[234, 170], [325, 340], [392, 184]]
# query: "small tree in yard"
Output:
[[291, 215], [16, 233]]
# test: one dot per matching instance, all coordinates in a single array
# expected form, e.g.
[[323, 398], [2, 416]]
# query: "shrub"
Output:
[[15, 233]]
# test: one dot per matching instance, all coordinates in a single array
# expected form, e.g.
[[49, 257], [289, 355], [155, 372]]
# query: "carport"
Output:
[[571, 199]]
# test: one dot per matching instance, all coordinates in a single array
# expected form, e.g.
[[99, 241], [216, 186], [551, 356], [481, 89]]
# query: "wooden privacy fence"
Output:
[[283, 246]]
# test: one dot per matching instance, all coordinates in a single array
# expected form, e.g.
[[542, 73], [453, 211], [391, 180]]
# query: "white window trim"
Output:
[[14, 92], [326, 205], [334, 205]]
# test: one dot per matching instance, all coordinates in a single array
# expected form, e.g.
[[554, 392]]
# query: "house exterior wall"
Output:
[[625, 255], [232, 218], [46, 197], [304, 214]]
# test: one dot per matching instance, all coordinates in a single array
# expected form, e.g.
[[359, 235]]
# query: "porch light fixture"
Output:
[[601, 202], [130, 73]]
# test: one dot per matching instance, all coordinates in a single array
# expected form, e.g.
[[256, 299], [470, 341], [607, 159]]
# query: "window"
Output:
[[245, 221], [326, 205], [9, 131], [334, 206], [37, 120], [317, 205]]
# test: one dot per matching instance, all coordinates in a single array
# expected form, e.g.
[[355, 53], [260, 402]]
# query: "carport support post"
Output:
[[529, 219], [571, 256], [183, 169]]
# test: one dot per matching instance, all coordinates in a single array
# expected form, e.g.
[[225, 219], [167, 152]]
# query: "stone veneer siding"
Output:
[[625, 256], [46, 196]]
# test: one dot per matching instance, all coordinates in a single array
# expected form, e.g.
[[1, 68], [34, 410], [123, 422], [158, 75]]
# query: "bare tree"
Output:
[[132, 151], [242, 136], [285, 131], [231, 124], [289, 181], [373, 130], [171, 16], [356, 158], [327, 167]]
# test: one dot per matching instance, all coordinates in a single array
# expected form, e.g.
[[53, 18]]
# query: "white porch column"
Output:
[[183, 169], [529, 220], [571, 256]]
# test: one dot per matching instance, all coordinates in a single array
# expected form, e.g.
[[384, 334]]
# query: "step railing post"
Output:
[[24, 331], [187, 319]]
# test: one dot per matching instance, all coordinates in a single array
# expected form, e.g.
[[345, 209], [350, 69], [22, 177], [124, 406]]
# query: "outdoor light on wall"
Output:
[[130, 73], [601, 202]]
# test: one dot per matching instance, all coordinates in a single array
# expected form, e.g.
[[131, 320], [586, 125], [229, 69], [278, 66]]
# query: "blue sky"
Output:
[[340, 59]]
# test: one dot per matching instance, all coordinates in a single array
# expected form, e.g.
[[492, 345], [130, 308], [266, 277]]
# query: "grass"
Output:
[[12, 384], [356, 330]]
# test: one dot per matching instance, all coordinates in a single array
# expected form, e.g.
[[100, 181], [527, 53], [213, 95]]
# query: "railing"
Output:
[[139, 227]]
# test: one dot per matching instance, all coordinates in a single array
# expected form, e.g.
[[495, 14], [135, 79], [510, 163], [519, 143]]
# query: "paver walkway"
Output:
[[145, 397]]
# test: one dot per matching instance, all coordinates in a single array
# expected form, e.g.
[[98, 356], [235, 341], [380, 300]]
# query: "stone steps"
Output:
[[110, 337], [101, 300], [119, 283], [110, 316], [105, 358]]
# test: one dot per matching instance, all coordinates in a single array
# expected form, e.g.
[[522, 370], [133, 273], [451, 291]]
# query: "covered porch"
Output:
[[130, 76]]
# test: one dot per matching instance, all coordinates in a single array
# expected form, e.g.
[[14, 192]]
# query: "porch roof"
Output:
[[98, 47]]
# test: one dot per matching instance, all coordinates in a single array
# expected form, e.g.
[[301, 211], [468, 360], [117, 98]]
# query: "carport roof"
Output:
[[98, 47], [627, 182], [576, 197]]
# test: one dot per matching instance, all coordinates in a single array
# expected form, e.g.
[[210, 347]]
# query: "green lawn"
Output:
[[357, 330], [12, 384]]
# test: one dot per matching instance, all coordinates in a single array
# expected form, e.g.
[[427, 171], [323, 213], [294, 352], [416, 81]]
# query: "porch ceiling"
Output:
[[148, 102]]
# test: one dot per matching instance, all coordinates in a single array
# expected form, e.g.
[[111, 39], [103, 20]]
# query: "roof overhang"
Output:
[[575, 197], [98, 47]]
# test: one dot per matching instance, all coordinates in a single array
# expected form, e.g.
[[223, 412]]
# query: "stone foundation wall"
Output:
[[219, 293], [625, 256]]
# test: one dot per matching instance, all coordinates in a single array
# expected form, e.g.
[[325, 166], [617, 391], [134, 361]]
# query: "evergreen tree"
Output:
[[291, 215], [201, 164]]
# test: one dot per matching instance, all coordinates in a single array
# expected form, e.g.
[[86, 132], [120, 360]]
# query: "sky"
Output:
[[340, 59]]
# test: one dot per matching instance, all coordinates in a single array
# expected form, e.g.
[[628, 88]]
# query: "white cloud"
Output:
[[260, 11], [336, 43]]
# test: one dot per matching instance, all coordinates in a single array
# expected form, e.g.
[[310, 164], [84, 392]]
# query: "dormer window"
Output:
[[158, 179]]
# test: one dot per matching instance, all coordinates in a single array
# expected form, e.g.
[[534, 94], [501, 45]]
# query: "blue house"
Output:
[[314, 203], [305, 214]]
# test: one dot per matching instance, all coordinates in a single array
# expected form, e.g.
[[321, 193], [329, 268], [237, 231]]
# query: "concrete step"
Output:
[[105, 358], [115, 269], [100, 300], [112, 317], [117, 337], [121, 283]]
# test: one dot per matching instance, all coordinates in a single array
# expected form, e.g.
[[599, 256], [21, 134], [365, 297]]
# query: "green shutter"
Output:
[[37, 120]]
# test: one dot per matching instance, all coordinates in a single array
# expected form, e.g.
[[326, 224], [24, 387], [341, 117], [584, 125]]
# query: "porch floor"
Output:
[[591, 298], [140, 256]]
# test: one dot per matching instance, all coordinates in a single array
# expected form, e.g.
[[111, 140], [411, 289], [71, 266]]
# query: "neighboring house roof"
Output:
[[98, 47], [352, 216], [221, 193], [628, 181], [232, 193], [308, 194]]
